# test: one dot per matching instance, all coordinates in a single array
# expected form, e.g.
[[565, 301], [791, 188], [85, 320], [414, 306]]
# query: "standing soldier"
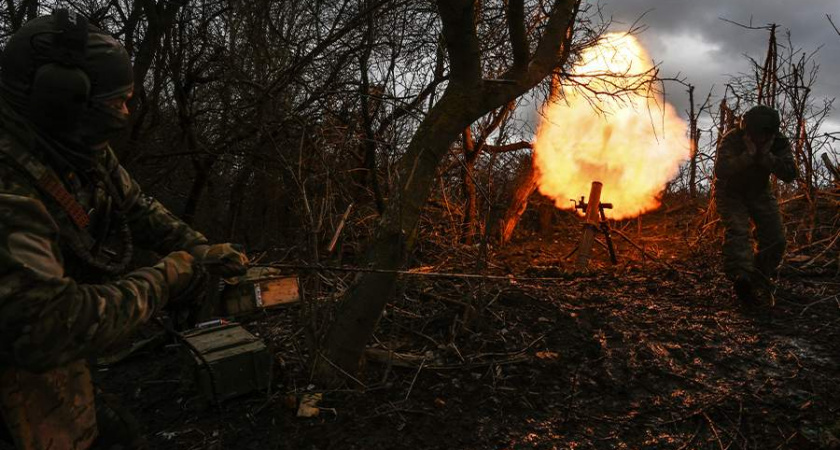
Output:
[[746, 157], [70, 216]]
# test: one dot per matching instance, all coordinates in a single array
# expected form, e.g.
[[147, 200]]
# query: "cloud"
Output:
[[689, 38]]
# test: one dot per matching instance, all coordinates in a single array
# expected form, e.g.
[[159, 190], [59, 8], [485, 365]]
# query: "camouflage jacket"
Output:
[[742, 173], [54, 311]]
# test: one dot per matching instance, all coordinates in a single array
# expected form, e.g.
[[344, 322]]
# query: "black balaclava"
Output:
[[102, 59]]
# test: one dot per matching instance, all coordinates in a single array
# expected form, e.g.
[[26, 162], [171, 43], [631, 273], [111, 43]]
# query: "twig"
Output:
[[791, 199], [502, 362], [807, 246], [693, 436], [338, 229], [828, 16], [264, 404], [714, 430], [416, 374], [825, 250], [394, 409], [517, 353], [809, 305], [418, 333], [342, 370], [644, 252], [325, 268], [749, 27]]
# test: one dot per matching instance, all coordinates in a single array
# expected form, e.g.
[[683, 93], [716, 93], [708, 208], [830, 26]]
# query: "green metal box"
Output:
[[227, 361]]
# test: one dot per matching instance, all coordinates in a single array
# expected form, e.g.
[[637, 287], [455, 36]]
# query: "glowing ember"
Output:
[[634, 144]]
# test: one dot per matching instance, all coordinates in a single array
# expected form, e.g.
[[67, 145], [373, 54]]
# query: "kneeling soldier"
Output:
[[69, 218]]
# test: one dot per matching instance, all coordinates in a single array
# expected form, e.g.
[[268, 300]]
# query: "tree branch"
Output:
[[828, 16], [518, 36], [495, 123], [552, 52], [555, 42], [458, 17], [522, 145]]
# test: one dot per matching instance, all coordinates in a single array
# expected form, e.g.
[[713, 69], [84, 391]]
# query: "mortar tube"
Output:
[[593, 215], [590, 226]]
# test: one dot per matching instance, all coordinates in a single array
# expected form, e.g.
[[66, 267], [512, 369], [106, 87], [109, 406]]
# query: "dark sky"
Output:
[[688, 37]]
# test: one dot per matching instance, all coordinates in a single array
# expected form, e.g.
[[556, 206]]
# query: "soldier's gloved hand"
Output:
[[178, 270], [224, 260], [766, 159], [751, 149]]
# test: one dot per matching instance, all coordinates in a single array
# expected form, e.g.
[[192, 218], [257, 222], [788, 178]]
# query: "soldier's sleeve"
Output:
[[781, 161], [153, 226], [731, 157], [46, 318]]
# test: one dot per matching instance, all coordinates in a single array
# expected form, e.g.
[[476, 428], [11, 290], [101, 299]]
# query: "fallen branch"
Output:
[[502, 362], [822, 253], [321, 268], [809, 305], [414, 380], [644, 252], [391, 357]]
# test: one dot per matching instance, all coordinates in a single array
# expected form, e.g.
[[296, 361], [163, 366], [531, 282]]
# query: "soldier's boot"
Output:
[[766, 296], [745, 291], [738, 259], [765, 290]]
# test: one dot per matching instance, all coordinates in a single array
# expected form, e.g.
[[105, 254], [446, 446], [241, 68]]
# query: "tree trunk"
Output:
[[235, 199], [470, 222], [526, 184], [526, 181], [369, 110], [360, 310], [202, 164], [161, 19], [695, 138]]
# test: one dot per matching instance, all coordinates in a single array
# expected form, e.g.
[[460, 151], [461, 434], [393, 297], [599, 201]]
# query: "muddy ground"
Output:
[[652, 353]]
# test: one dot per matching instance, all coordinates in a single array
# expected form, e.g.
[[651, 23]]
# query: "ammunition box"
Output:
[[260, 288], [227, 361]]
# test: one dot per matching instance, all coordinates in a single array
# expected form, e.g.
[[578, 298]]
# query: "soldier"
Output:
[[70, 216], [746, 157]]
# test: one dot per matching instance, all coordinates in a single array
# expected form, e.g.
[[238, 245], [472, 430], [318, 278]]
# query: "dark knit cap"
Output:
[[762, 118]]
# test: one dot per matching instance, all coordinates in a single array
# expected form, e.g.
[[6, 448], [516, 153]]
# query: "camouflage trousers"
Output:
[[58, 410], [739, 256]]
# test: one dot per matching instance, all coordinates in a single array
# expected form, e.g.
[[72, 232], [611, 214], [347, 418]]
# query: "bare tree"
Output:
[[467, 97]]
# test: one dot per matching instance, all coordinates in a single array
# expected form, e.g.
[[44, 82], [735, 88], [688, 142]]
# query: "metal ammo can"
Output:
[[226, 361]]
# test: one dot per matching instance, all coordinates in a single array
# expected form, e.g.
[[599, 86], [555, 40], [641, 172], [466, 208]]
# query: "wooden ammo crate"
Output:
[[260, 288]]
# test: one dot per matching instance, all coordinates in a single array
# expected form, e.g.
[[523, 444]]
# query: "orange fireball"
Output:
[[617, 130]]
